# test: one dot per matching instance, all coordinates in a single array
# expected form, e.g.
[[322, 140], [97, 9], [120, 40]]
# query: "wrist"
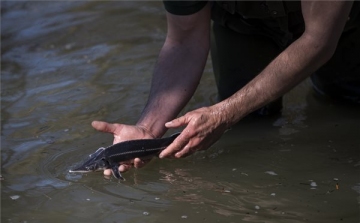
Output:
[[151, 129], [229, 113], [145, 130]]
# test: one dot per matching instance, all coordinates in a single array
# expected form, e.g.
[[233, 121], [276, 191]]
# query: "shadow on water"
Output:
[[69, 63]]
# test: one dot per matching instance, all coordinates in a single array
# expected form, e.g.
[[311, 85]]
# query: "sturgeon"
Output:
[[111, 156]]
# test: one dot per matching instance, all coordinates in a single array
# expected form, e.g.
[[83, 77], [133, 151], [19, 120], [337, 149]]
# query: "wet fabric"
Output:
[[339, 78], [233, 57], [184, 7]]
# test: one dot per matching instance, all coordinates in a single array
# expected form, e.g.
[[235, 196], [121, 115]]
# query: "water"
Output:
[[65, 64]]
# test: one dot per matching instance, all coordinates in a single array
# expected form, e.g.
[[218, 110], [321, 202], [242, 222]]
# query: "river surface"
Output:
[[64, 64]]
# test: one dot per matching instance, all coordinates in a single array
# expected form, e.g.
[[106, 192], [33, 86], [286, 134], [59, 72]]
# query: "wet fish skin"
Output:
[[110, 157]]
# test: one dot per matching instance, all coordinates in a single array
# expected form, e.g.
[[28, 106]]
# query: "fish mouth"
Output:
[[79, 171], [91, 164], [84, 170]]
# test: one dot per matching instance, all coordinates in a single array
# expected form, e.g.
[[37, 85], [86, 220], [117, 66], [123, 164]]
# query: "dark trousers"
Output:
[[241, 49]]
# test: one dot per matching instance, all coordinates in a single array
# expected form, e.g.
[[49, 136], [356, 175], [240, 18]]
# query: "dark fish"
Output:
[[110, 157]]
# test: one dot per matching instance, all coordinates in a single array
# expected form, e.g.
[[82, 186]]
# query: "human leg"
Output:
[[237, 58], [339, 78]]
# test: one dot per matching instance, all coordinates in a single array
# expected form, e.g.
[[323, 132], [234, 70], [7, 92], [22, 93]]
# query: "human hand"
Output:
[[122, 133], [204, 127]]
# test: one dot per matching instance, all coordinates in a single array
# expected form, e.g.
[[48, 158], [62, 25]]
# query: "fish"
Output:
[[111, 156]]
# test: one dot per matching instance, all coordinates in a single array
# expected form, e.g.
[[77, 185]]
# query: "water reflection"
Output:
[[69, 63]]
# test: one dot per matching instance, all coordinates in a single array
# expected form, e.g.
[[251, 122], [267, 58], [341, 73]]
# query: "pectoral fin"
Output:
[[116, 173]]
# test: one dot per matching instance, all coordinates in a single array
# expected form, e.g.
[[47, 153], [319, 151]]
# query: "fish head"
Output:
[[95, 162]]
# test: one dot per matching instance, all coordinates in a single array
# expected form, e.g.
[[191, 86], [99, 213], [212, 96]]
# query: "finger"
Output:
[[138, 163], [104, 126], [168, 152], [193, 145], [107, 172], [186, 151], [178, 122], [124, 167], [174, 147]]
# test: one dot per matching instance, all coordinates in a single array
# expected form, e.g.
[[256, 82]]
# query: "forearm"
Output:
[[292, 66], [324, 22], [176, 76]]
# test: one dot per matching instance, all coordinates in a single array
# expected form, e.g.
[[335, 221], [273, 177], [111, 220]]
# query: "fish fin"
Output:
[[97, 152], [116, 173]]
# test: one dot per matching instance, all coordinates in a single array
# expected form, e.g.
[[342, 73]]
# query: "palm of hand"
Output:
[[122, 133]]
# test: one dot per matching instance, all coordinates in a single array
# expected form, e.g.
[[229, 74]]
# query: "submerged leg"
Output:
[[237, 58]]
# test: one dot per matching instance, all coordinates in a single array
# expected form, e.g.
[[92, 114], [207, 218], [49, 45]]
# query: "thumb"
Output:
[[103, 126], [181, 121]]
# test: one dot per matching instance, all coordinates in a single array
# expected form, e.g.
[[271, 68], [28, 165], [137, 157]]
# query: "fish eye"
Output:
[[103, 163], [92, 167]]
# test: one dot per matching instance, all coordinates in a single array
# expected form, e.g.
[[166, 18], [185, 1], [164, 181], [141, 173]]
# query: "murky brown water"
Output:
[[65, 64]]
